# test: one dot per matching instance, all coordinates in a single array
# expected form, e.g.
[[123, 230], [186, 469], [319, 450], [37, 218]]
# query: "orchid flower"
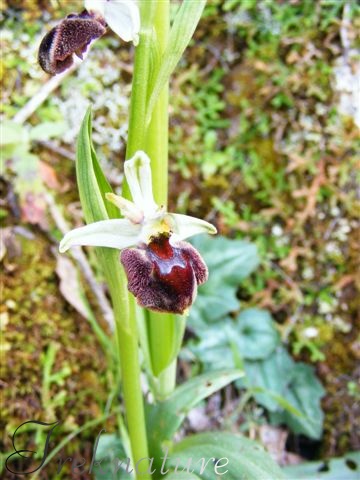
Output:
[[73, 34], [163, 271]]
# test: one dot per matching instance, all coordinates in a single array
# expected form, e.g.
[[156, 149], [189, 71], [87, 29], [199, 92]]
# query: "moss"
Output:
[[38, 316]]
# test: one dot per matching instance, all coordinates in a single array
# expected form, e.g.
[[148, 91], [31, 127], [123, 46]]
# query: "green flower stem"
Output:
[[128, 352], [133, 399], [157, 137], [138, 102], [124, 306], [161, 327]]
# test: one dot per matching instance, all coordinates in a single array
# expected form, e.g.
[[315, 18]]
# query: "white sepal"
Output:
[[138, 175], [96, 6], [185, 226], [115, 233], [122, 16]]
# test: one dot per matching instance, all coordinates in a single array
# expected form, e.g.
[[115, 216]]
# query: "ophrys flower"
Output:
[[163, 271], [74, 34]]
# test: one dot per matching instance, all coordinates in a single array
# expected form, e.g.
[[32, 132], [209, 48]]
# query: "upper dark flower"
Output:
[[74, 34], [71, 36]]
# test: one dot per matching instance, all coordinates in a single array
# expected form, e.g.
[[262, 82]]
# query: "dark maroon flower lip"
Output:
[[164, 276], [71, 36]]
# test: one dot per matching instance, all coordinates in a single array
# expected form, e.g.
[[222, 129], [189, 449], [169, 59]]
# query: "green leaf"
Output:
[[13, 133], [91, 196], [103, 184], [345, 468], [15, 146], [46, 130], [92, 186], [246, 458], [183, 27], [290, 391], [251, 336], [273, 374], [304, 393], [214, 348], [258, 337], [229, 262], [184, 476], [281, 401], [109, 453], [164, 418]]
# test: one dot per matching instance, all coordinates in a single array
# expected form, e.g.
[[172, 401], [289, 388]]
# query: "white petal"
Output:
[[138, 175], [185, 226], [119, 233], [97, 6], [123, 17]]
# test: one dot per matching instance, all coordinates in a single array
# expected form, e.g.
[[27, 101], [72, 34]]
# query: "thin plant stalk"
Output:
[[161, 326], [127, 334], [153, 138], [128, 351]]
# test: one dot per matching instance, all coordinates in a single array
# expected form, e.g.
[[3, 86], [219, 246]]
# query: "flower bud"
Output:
[[163, 275], [71, 36]]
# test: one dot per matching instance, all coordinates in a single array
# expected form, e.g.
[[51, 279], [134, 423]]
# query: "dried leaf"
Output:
[[48, 176], [70, 287], [33, 209]]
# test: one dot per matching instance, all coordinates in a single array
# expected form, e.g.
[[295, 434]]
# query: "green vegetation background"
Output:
[[263, 142]]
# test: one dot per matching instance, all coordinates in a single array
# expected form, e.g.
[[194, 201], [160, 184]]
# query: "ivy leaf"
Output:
[[251, 336], [344, 468], [273, 374], [304, 393], [229, 262], [257, 336], [287, 388]]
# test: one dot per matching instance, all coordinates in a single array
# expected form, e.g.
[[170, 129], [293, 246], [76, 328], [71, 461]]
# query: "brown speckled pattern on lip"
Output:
[[163, 277], [71, 36]]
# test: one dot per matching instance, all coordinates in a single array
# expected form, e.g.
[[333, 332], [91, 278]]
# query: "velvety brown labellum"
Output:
[[164, 277], [72, 35]]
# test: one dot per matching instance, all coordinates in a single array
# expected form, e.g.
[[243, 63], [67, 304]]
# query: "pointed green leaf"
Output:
[[224, 455], [282, 402], [184, 476], [92, 186], [182, 30], [90, 194], [164, 418]]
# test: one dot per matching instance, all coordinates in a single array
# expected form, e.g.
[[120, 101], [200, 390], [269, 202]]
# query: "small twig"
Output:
[[344, 32], [42, 94], [58, 149], [83, 264]]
